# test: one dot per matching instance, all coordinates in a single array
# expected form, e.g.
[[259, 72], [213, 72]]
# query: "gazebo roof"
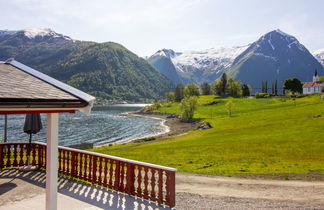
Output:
[[22, 87]]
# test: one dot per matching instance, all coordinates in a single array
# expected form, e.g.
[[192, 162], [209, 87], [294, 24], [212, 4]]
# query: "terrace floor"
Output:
[[26, 190]]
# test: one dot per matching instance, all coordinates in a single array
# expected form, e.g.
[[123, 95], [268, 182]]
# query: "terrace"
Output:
[[93, 179]]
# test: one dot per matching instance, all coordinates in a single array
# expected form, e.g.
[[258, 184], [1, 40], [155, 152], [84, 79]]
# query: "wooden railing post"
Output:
[[130, 178], [170, 188]]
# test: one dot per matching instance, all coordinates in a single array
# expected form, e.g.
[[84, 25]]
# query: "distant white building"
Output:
[[316, 86]]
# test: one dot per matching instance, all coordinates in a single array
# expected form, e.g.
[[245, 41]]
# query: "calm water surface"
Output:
[[103, 126]]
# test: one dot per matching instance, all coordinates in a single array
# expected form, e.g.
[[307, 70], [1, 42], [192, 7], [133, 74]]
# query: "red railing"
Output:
[[144, 180]]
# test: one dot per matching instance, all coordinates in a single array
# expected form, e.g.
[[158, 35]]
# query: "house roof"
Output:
[[22, 86], [313, 84]]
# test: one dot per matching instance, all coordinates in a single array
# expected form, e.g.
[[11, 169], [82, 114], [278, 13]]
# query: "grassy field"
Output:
[[263, 136]]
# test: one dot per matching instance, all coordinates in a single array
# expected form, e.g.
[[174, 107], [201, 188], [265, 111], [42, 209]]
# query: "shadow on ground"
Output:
[[95, 195]]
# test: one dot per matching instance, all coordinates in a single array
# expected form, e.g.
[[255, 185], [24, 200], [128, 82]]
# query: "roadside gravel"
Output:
[[194, 201]]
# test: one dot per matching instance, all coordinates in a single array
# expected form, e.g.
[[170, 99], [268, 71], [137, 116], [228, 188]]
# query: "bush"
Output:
[[262, 95], [187, 107]]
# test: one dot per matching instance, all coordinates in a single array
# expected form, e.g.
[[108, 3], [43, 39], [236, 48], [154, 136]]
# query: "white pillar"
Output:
[[51, 161]]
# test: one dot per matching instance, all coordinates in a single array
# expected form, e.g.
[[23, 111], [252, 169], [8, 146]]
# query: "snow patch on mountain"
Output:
[[319, 55], [212, 58], [32, 33]]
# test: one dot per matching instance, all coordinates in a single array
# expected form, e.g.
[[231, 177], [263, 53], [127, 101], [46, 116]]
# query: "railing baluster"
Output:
[[117, 175], [15, 163], [153, 184], [139, 179], [160, 187], [8, 156], [100, 171], [1, 156], [110, 172], [105, 172], [145, 182], [33, 154], [85, 173]]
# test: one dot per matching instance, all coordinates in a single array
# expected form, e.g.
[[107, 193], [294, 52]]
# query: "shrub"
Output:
[[187, 107], [262, 95]]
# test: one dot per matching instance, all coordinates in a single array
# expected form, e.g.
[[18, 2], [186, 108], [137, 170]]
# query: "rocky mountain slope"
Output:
[[274, 56], [107, 70]]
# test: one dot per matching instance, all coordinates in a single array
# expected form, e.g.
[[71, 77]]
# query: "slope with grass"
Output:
[[264, 136]]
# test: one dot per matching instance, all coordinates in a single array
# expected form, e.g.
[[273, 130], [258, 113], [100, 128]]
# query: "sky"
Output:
[[145, 26]]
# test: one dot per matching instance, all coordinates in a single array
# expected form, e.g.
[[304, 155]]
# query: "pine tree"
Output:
[[276, 87], [224, 83]]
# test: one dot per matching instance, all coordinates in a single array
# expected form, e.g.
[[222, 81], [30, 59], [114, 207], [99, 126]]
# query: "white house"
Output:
[[316, 86]]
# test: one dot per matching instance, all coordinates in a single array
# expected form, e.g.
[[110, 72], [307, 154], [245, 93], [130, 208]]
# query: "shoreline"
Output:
[[173, 127]]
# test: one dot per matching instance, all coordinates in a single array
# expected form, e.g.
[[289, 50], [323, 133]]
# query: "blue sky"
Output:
[[144, 26]]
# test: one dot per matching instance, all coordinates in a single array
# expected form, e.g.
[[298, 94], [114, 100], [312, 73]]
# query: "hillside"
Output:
[[106, 70], [274, 56], [268, 137]]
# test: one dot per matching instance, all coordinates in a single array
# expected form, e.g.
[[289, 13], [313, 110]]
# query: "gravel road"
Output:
[[216, 192]]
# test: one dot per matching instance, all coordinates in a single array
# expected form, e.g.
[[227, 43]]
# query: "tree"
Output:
[[205, 89], [233, 88], [229, 107], [276, 87], [245, 90], [179, 93], [170, 96], [191, 90], [294, 85], [188, 106], [223, 83], [217, 87], [266, 86]]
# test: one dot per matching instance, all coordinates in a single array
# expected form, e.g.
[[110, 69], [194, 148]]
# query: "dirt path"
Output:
[[299, 192]]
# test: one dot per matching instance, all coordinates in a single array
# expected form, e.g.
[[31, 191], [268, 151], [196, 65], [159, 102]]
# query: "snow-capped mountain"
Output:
[[319, 55], [192, 65], [33, 33], [274, 56]]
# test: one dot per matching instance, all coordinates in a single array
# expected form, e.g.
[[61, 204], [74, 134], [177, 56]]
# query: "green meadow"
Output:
[[263, 136]]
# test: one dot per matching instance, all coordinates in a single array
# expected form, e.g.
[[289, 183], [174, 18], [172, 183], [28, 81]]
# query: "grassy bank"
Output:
[[263, 136]]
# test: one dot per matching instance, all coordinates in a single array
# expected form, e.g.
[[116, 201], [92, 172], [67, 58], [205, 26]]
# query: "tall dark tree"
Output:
[[205, 89], [294, 85], [224, 83], [245, 90], [272, 88], [276, 87], [179, 93], [266, 86]]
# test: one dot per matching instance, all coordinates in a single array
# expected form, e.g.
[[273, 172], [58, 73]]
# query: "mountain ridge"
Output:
[[107, 70], [274, 56]]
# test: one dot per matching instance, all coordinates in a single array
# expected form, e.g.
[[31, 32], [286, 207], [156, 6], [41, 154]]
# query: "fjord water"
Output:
[[104, 125]]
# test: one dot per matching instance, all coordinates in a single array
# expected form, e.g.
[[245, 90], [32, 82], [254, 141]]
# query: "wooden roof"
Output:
[[16, 84], [23, 88]]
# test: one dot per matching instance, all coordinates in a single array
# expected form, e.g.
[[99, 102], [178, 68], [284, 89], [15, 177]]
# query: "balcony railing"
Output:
[[144, 180]]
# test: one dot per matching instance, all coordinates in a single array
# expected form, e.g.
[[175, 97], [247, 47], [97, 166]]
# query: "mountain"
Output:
[[274, 56], [106, 70], [162, 61], [195, 66], [319, 55]]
